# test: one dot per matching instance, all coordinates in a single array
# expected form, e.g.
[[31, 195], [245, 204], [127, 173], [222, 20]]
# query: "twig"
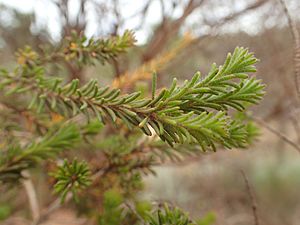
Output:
[[129, 206], [31, 194], [252, 198], [277, 133], [295, 122], [296, 39], [52, 207]]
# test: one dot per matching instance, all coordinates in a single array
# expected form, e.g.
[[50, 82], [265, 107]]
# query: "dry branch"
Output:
[[252, 198]]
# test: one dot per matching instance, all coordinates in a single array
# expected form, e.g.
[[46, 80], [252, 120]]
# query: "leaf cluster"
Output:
[[71, 177]]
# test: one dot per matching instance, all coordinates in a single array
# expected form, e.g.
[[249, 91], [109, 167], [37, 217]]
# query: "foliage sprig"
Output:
[[167, 215], [71, 178], [195, 112], [16, 158]]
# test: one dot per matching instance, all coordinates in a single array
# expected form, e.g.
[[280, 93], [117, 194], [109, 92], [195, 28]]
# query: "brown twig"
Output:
[[296, 39], [199, 41], [31, 194], [51, 208], [252, 198], [277, 133], [168, 29], [295, 122], [132, 209]]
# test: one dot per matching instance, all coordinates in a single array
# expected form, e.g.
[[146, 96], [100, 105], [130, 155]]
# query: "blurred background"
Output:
[[176, 38]]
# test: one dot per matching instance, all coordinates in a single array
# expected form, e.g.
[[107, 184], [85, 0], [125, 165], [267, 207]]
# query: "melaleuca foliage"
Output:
[[118, 137], [77, 49], [194, 112], [16, 158], [72, 177], [116, 210], [167, 215], [112, 210]]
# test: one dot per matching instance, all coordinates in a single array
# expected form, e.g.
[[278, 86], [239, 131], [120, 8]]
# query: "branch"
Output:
[[51, 208], [143, 13], [132, 209], [296, 39], [31, 194], [195, 44], [277, 133], [167, 29], [252, 198]]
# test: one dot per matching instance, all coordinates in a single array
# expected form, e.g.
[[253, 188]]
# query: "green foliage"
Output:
[[76, 49], [16, 158], [72, 177], [115, 207], [112, 213], [175, 216], [208, 219], [87, 51], [143, 208], [194, 112], [109, 129]]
